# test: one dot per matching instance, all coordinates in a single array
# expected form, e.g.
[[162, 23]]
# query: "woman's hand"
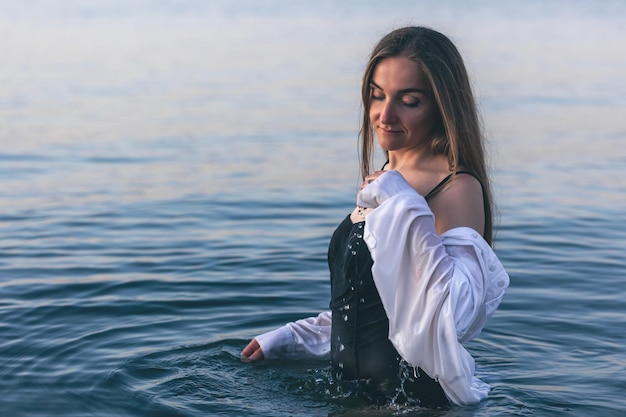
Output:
[[370, 178], [252, 352]]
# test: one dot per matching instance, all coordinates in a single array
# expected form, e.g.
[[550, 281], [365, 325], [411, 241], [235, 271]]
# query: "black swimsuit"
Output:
[[360, 348]]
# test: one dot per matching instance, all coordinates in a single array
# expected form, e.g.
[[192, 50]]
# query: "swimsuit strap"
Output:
[[443, 182], [438, 187]]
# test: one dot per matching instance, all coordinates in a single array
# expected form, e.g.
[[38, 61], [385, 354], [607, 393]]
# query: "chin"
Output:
[[386, 146]]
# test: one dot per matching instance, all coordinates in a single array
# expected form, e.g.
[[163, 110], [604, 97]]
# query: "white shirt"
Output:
[[437, 291]]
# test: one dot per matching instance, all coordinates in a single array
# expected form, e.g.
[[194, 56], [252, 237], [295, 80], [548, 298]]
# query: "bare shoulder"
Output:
[[459, 204], [464, 186]]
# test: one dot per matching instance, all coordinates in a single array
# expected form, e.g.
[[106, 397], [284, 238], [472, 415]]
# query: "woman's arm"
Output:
[[303, 339]]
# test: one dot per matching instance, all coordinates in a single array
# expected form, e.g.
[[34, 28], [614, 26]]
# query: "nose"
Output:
[[388, 113]]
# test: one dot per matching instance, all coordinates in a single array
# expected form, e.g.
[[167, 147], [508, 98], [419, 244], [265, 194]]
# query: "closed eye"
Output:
[[410, 101], [376, 94]]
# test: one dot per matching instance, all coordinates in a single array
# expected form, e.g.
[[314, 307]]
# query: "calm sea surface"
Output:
[[171, 173]]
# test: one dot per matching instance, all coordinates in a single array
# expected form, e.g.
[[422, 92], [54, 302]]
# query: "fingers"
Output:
[[250, 348], [253, 351], [257, 355], [370, 178]]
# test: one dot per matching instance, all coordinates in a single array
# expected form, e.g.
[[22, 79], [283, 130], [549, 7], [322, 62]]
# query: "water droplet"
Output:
[[345, 317], [340, 365], [342, 348], [360, 226], [346, 307], [359, 236], [361, 282], [362, 300], [349, 246], [354, 252]]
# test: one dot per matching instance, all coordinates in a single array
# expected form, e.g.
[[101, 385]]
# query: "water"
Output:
[[171, 173]]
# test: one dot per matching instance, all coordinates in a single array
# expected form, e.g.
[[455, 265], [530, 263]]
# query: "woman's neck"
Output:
[[417, 161]]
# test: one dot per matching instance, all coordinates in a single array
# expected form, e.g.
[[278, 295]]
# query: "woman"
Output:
[[412, 272]]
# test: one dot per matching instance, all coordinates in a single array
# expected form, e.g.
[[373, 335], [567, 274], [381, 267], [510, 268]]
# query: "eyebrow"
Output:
[[403, 91]]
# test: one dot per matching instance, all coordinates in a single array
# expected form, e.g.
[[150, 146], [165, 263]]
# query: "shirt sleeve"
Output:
[[437, 291], [478, 285], [303, 339]]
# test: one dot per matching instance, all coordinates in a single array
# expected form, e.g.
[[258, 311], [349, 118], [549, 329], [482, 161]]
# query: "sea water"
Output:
[[171, 173]]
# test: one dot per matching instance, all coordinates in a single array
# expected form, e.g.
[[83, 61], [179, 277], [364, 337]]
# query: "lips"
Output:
[[388, 131]]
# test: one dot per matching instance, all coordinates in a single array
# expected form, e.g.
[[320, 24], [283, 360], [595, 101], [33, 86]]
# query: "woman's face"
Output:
[[403, 111]]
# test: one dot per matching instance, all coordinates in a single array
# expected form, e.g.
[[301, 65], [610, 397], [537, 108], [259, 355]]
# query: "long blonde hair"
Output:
[[458, 133]]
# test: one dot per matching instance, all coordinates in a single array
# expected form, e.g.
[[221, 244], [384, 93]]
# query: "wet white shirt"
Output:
[[437, 291]]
